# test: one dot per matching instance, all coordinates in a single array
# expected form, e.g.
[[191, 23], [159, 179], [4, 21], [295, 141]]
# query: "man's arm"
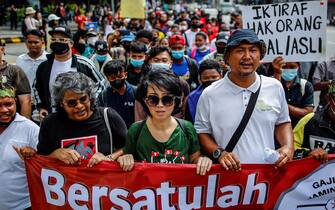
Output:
[[25, 103], [299, 112], [284, 135]]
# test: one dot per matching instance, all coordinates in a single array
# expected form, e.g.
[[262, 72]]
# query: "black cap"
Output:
[[222, 37], [62, 30], [101, 46]]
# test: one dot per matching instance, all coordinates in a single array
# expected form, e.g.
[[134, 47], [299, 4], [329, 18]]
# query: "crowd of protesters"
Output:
[[177, 87]]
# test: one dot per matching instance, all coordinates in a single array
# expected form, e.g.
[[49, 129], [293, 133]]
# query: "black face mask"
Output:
[[195, 25], [208, 83], [59, 48], [81, 48], [118, 83]]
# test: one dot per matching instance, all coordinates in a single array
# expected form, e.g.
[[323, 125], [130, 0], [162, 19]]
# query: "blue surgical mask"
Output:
[[163, 66], [289, 74], [101, 58], [136, 63], [177, 54]]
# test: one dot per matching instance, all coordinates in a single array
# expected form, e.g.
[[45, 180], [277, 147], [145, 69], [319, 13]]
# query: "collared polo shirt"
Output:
[[14, 193], [29, 65], [222, 106]]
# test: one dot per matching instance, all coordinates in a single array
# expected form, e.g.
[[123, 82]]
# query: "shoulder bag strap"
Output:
[[108, 128], [247, 114]]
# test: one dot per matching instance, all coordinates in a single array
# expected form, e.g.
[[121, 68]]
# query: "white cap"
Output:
[[30, 10], [52, 17]]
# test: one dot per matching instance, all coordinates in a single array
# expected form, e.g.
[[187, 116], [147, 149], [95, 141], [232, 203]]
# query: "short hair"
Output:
[[144, 33], [154, 51], [209, 64], [73, 81], [113, 67], [33, 32], [138, 47], [164, 80]]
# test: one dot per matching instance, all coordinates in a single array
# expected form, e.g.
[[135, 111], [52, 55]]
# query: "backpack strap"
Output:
[[108, 128], [139, 129]]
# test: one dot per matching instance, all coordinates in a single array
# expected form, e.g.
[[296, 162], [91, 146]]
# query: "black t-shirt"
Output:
[[57, 127]]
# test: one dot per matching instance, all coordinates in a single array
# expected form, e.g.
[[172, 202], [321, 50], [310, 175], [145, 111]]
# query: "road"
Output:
[[13, 50]]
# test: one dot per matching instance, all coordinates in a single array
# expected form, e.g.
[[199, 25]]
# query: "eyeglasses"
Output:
[[153, 100], [60, 40], [74, 102]]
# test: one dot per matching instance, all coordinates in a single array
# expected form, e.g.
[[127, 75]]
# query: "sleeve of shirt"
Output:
[[193, 138], [202, 122], [319, 73], [284, 113], [34, 136], [44, 146], [308, 98], [21, 82], [118, 127]]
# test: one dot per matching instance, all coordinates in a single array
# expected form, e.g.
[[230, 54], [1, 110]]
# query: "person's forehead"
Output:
[[73, 94], [33, 37], [144, 40], [6, 99], [163, 55], [177, 45], [59, 35], [208, 72]]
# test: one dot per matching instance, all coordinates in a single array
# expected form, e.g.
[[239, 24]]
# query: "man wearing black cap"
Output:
[[60, 61], [217, 55], [101, 56], [223, 104]]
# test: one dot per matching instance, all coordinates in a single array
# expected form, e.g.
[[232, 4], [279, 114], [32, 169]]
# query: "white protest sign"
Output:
[[296, 31]]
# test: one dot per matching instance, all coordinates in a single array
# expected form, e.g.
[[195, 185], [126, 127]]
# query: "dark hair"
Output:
[[145, 34], [201, 33], [33, 32], [209, 64], [138, 47], [113, 67], [154, 51], [163, 80]]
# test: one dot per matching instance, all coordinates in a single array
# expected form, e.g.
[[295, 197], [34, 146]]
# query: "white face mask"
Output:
[[91, 40], [183, 28]]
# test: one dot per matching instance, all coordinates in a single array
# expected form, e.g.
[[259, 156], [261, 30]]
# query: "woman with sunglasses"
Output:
[[78, 129], [162, 138]]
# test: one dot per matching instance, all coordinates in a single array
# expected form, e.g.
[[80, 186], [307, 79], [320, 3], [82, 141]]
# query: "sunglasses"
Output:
[[153, 100], [74, 102], [60, 40]]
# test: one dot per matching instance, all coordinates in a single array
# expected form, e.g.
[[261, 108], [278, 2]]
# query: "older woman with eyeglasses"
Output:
[[79, 129], [162, 138]]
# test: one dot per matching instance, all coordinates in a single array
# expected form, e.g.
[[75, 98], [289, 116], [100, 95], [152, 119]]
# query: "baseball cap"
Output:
[[127, 36], [101, 46], [52, 17], [177, 39], [245, 35], [222, 37], [62, 30]]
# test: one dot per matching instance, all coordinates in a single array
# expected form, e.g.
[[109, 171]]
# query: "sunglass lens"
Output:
[[153, 100], [167, 100]]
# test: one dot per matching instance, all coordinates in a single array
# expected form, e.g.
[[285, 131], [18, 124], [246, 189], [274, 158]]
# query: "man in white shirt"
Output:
[[190, 33], [222, 105], [22, 134], [60, 61], [33, 58]]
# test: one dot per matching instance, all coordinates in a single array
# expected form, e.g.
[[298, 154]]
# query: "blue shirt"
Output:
[[180, 69], [124, 104], [200, 55]]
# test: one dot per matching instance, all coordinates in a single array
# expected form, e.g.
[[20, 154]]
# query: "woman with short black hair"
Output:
[[162, 138]]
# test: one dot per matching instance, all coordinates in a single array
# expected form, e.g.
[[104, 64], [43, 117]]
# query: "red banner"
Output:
[[304, 184]]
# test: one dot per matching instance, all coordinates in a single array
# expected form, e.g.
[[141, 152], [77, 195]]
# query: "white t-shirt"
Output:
[[190, 35], [29, 65], [14, 193], [59, 67], [221, 108]]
